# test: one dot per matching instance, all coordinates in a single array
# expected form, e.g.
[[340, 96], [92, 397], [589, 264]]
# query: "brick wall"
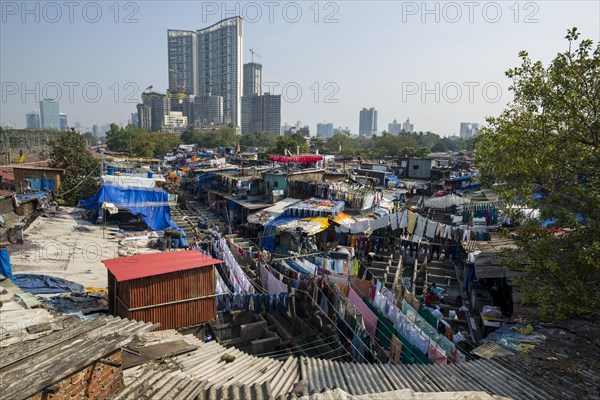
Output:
[[96, 381]]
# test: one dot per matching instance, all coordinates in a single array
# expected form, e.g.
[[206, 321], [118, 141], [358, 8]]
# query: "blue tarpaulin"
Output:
[[29, 196], [547, 223], [41, 184], [5, 268], [149, 203], [268, 238], [45, 284]]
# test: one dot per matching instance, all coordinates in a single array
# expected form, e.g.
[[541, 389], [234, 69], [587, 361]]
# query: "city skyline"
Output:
[[419, 88]]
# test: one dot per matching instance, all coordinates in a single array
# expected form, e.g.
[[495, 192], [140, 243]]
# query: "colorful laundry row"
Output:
[[415, 225], [237, 277], [259, 303]]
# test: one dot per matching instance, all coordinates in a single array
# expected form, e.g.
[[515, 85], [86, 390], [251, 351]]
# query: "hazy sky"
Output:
[[439, 63]]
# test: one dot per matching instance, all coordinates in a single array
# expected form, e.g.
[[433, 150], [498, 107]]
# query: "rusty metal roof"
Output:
[[144, 265]]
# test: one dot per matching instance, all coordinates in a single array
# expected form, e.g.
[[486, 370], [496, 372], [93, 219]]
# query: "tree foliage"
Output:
[[140, 143], [546, 143], [153, 144], [416, 144], [259, 139], [289, 143], [80, 180], [119, 139], [223, 136]]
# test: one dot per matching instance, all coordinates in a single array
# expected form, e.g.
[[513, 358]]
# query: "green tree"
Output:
[[441, 146], [120, 139], [289, 143], [142, 146], [259, 139], [140, 143], [317, 143], [223, 136], [342, 144], [389, 145], [422, 152], [546, 142], [80, 181], [427, 139]]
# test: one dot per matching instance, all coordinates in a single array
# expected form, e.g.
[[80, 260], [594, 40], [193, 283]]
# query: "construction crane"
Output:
[[253, 53]]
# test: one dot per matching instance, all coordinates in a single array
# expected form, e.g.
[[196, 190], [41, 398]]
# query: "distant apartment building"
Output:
[[183, 61], [367, 122], [285, 127], [324, 130], [261, 113], [252, 79], [394, 128], [175, 122], [342, 131], [96, 130], [208, 110], [63, 122], [134, 120], [301, 130], [160, 106], [468, 129], [183, 103], [32, 120], [49, 114], [209, 61], [408, 127], [144, 113]]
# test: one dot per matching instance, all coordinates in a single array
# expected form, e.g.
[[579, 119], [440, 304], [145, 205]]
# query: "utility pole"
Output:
[[101, 161]]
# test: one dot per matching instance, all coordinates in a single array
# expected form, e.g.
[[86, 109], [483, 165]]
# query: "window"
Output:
[[275, 184], [415, 167]]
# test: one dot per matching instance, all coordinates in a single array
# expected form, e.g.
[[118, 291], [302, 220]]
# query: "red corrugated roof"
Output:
[[143, 265]]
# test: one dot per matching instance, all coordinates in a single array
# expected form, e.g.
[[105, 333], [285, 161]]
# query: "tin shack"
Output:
[[175, 289]]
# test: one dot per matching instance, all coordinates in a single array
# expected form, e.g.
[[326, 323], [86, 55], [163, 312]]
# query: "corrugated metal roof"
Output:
[[402, 394], [208, 366], [158, 382], [237, 392], [26, 368], [491, 350], [359, 379], [143, 265], [155, 382], [516, 377]]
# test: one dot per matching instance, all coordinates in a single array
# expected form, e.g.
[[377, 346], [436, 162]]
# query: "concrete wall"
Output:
[[270, 180], [96, 381], [253, 330]]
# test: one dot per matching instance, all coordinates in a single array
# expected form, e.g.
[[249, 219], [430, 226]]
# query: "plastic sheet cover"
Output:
[[5, 268], [45, 284], [41, 183], [151, 204], [268, 238]]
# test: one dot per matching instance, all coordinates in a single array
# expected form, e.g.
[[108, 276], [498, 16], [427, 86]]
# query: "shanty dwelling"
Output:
[[173, 289]]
